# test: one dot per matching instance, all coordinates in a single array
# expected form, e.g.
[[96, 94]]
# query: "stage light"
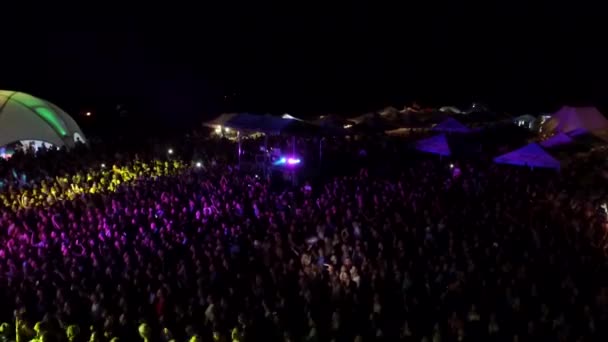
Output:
[[199, 164], [170, 151], [287, 161], [88, 114], [103, 165]]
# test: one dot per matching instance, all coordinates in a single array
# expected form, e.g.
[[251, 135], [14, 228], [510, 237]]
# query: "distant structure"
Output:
[[32, 121], [575, 121]]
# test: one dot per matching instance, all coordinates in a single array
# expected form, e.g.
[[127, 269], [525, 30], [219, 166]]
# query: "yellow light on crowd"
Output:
[[218, 129]]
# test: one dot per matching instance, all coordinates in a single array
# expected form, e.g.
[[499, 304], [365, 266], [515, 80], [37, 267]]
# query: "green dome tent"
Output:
[[24, 117]]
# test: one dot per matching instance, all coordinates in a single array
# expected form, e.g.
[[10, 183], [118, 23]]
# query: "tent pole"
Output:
[[265, 148], [294, 182], [321, 150], [266, 159], [238, 137]]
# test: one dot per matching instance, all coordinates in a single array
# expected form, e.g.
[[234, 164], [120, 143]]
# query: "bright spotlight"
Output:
[[170, 151], [88, 114], [103, 165], [199, 164], [451, 166]]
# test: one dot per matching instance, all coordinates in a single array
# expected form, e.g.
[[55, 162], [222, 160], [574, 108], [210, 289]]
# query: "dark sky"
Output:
[[177, 64]]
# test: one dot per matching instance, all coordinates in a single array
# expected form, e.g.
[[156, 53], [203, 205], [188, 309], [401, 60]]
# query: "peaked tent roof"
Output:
[[525, 117], [437, 144], [450, 109], [531, 155], [290, 117], [333, 120], [265, 124], [388, 111], [373, 123], [578, 120], [557, 140], [221, 120], [259, 123], [363, 117], [451, 125]]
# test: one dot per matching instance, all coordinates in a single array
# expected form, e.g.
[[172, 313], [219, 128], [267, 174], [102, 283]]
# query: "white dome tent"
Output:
[[25, 118]]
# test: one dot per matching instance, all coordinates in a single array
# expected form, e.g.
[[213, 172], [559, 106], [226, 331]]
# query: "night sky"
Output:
[[181, 65]]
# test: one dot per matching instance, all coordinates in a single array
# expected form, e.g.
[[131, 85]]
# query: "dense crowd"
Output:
[[422, 253], [101, 179]]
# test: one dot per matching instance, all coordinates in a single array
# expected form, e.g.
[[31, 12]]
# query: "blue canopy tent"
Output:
[[436, 145], [451, 125], [268, 124], [557, 140], [271, 125], [531, 155]]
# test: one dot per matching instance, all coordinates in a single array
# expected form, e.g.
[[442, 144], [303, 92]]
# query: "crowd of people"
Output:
[[176, 252]]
